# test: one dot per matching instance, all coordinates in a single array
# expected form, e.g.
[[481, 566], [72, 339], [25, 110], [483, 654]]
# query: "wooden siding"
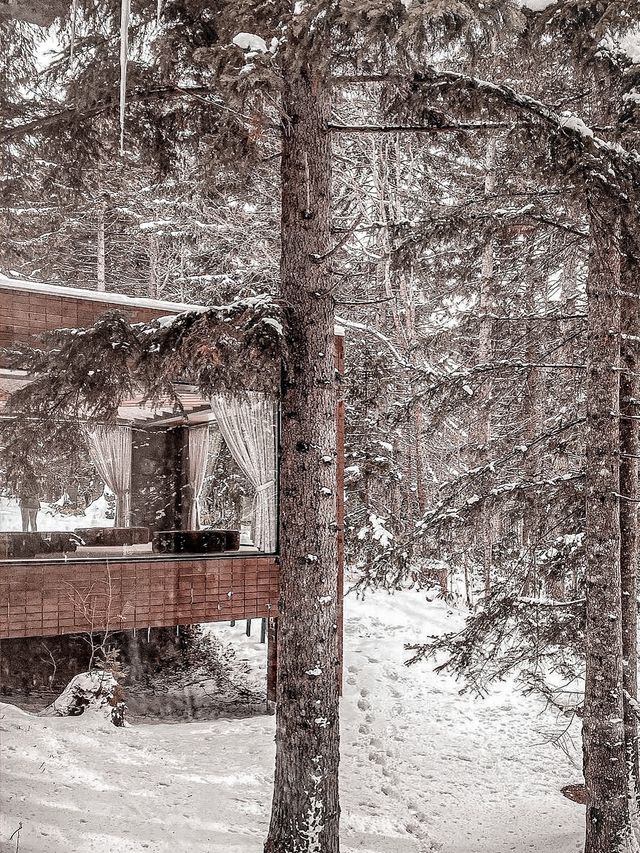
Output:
[[39, 599], [25, 313]]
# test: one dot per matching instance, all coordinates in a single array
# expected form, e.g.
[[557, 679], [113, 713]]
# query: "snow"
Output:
[[537, 5], [624, 46], [277, 325], [249, 41], [421, 764], [7, 283], [630, 45], [93, 690], [49, 519], [572, 122]]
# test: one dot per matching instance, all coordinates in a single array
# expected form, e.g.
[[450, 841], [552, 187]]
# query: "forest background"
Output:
[[483, 261]]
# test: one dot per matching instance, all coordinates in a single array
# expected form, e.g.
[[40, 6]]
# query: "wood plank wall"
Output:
[[40, 598], [24, 313], [52, 598]]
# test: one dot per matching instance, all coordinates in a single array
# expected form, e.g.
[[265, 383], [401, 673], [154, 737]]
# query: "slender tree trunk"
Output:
[[152, 284], [101, 266], [482, 432], [531, 416], [607, 815], [629, 452], [305, 811]]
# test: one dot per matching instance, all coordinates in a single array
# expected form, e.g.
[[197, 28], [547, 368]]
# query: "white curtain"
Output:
[[247, 424], [198, 458], [110, 449]]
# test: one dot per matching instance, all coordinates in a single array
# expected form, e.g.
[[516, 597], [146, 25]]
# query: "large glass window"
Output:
[[197, 480]]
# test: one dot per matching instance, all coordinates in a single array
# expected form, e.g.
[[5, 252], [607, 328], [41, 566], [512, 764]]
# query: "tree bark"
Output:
[[305, 810], [101, 265], [629, 452], [607, 815], [482, 429]]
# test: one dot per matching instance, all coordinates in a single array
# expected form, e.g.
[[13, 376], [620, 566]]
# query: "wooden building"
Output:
[[154, 564]]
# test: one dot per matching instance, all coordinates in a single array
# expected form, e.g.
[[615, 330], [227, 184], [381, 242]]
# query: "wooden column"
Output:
[[272, 659]]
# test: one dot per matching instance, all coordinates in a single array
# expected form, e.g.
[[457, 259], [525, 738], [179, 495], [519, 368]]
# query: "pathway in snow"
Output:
[[421, 764], [475, 776]]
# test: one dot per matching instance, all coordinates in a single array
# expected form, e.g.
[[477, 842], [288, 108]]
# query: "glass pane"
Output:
[[158, 482]]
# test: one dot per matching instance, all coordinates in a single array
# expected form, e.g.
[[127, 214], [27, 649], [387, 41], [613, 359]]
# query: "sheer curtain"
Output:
[[110, 449], [198, 458], [247, 424]]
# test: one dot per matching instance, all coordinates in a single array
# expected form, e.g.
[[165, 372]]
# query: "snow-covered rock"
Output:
[[95, 691], [250, 41]]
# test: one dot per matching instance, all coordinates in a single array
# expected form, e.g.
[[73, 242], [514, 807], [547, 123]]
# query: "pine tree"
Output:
[[268, 72]]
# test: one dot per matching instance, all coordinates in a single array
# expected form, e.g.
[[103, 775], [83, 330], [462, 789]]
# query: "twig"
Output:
[[360, 327], [320, 258], [365, 301], [16, 832]]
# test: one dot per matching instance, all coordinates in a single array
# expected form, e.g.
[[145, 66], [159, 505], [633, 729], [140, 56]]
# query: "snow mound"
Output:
[[95, 691]]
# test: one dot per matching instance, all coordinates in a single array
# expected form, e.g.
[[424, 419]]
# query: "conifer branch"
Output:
[[455, 127], [83, 375], [72, 113]]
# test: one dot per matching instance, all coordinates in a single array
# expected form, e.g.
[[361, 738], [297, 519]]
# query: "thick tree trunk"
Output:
[[305, 811], [607, 815], [629, 452]]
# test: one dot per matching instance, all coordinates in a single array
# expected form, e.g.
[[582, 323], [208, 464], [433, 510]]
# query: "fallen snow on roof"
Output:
[[95, 295], [172, 308]]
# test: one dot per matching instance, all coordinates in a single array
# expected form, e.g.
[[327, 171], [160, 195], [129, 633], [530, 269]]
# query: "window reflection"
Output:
[[159, 482]]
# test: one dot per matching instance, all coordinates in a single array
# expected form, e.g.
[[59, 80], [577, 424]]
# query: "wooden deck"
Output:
[[40, 598]]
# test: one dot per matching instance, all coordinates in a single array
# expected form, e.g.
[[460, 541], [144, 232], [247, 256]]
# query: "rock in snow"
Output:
[[95, 691]]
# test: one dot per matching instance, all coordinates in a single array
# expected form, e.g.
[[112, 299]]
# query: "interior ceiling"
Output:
[[194, 408]]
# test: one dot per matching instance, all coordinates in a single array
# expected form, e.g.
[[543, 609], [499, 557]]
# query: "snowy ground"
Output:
[[50, 519], [421, 765]]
